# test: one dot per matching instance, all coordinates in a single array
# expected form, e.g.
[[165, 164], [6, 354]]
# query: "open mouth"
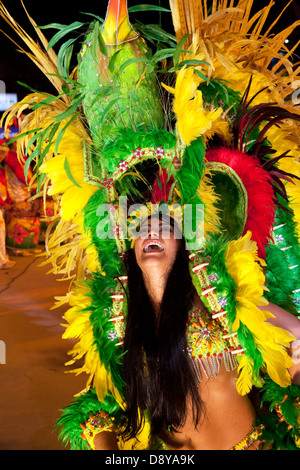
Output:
[[153, 246]]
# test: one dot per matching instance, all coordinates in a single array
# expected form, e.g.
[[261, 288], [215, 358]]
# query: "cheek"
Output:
[[137, 249]]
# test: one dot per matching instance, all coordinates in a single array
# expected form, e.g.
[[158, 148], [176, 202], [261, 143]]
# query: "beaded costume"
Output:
[[221, 132]]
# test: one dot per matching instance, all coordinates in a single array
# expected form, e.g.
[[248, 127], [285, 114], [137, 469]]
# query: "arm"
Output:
[[289, 322], [106, 440], [88, 424]]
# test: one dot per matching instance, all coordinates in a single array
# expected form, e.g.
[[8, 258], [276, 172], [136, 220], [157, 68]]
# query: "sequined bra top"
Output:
[[207, 346]]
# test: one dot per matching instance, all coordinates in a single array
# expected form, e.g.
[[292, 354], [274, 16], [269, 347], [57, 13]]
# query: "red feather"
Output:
[[161, 187], [258, 184]]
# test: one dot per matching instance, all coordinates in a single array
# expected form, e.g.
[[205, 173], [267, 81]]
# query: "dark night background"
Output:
[[17, 67]]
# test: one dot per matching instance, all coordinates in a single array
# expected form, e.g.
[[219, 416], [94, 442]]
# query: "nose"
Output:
[[153, 233]]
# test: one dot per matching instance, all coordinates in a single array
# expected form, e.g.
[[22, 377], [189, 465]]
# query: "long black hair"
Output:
[[156, 368]]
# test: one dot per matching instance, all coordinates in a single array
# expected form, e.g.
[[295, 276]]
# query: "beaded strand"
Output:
[[213, 303]]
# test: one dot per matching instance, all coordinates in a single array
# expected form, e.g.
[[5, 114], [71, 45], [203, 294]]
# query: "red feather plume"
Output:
[[257, 182], [259, 172], [161, 187]]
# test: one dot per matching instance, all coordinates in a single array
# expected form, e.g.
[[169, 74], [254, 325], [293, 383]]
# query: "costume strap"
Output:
[[250, 439]]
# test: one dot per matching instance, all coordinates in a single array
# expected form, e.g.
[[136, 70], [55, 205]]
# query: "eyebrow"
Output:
[[161, 221]]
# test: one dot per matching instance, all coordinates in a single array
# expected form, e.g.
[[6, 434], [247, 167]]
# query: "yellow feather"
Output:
[[193, 120], [244, 381], [104, 384], [79, 327], [209, 198], [68, 247], [272, 342]]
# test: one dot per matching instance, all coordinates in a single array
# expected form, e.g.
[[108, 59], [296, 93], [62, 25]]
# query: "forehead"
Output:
[[158, 220], [165, 225]]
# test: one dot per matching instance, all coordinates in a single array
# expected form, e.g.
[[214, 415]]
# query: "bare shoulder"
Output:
[[283, 319]]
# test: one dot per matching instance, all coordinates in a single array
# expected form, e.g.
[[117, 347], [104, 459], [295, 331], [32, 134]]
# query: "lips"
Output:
[[153, 246]]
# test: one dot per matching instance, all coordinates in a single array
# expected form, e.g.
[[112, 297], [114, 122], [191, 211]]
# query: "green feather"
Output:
[[283, 282], [277, 431], [78, 412]]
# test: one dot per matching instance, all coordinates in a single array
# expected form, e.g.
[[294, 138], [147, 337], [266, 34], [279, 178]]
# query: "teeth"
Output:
[[153, 243]]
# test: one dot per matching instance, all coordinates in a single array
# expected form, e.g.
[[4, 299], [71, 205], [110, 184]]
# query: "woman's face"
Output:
[[156, 247]]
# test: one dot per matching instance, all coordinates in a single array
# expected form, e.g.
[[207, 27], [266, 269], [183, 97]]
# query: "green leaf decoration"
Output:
[[201, 75], [31, 89], [101, 20], [178, 49], [163, 54], [53, 26], [28, 162], [158, 181], [97, 40], [192, 62], [69, 173], [112, 61], [46, 101], [154, 34], [63, 32], [189, 63], [40, 181], [102, 45], [24, 134], [146, 7], [64, 57], [68, 113], [32, 140], [134, 60]]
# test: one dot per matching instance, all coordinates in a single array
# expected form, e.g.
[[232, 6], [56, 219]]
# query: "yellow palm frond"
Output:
[[44, 59], [230, 35]]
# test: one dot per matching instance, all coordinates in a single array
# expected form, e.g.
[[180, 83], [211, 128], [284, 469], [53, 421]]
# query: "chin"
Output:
[[152, 257]]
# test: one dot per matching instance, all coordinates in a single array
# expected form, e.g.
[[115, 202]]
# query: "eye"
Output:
[[166, 227], [143, 232]]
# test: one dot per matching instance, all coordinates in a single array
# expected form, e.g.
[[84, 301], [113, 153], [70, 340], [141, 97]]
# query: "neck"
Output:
[[155, 285]]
